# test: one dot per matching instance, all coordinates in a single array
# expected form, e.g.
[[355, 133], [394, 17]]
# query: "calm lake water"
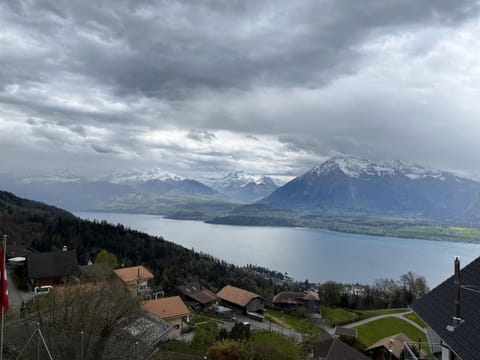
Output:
[[313, 254]]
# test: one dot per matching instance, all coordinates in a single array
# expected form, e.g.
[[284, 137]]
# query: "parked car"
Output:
[[42, 290]]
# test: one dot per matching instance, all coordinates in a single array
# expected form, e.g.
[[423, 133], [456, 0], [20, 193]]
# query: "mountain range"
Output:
[[351, 184], [341, 185], [131, 190]]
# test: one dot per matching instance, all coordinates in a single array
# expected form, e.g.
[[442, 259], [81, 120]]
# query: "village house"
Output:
[[51, 268], [242, 301], [291, 300], [171, 309], [136, 278], [196, 296], [451, 311], [390, 347]]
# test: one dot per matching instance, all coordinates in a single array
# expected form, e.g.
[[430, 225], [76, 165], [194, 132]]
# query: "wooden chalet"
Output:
[[291, 300], [242, 301], [136, 278], [51, 268], [197, 296], [171, 309]]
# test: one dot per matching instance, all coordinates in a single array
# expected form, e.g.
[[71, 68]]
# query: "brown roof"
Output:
[[288, 297], [295, 297], [311, 296], [166, 308], [236, 296], [198, 293], [394, 344], [134, 273]]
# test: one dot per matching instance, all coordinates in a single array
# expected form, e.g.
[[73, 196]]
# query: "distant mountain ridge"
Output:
[[345, 183], [242, 186]]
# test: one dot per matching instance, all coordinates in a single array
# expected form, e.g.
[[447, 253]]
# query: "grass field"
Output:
[[415, 318], [339, 316], [370, 333], [302, 325]]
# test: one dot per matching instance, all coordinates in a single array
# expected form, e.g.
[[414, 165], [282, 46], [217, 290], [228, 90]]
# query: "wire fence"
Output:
[[30, 341]]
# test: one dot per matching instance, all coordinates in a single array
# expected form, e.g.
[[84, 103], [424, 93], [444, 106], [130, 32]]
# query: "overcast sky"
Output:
[[268, 87]]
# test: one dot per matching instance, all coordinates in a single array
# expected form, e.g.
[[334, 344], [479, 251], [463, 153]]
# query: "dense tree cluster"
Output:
[[384, 293], [47, 228]]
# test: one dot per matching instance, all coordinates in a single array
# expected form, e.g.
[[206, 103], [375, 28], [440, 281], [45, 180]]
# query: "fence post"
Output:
[[38, 341], [81, 349]]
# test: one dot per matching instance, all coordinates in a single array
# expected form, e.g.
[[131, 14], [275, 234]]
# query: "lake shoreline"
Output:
[[318, 255], [420, 231]]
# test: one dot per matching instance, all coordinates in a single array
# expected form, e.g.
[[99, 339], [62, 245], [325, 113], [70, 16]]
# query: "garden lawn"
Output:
[[370, 333], [340, 316], [412, 316], [271, 345], [302, 325]]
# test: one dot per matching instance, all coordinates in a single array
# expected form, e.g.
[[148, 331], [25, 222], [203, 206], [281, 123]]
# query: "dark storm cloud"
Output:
[[169, 49], [95, 77]]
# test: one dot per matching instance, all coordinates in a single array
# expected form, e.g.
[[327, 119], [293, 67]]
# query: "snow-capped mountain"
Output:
[[143, 175], [356, 167], [242, 186], [156, 181], [395, 187]]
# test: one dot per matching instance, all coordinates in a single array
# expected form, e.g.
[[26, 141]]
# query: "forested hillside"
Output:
[[45, 228]]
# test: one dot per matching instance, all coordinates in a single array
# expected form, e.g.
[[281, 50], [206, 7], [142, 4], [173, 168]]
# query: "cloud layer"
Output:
[[269, 87]]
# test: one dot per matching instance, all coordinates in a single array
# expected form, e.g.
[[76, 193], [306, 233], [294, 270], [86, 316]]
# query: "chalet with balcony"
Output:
[[136, 278], [171, 309]]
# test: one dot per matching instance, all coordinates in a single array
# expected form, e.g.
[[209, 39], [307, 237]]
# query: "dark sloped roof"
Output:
[[335, 349], [204, 296], [198, 293], [52, 264], [16, 250], [295, 297], [436, 309], [288, 297]]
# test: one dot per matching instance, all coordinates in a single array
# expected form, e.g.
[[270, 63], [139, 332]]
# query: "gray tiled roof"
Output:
[[436, 309]]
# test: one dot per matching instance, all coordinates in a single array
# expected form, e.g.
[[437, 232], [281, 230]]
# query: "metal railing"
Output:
[[418, 351]]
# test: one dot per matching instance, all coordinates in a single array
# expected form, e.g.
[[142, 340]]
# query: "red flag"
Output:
[[3, 281]]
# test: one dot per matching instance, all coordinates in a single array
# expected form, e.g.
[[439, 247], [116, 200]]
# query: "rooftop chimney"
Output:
[[456, 290], [457, 320]]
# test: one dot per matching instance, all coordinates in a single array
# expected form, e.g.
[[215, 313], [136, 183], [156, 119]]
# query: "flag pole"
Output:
[[4, 245]]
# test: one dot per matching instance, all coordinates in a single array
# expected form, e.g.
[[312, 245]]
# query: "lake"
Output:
[[313, 254]]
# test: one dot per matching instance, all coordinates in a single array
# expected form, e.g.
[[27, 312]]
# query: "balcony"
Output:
[[422, 351]]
